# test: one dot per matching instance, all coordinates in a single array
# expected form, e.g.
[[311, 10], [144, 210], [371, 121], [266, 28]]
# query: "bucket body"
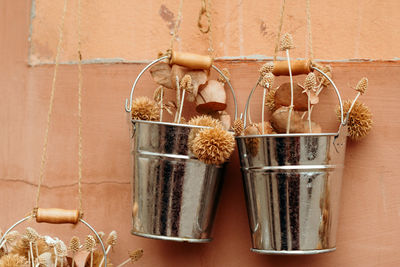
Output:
[[292, 186], [175, 196]]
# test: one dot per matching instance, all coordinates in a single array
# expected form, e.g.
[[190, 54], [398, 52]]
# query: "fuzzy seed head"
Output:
[[238, 127], [31, 234], [310, 82], [362, 85], [186, 83], [270, 100], [213, 146], [143, 108], [112, 238], [136, 255], [90, 243], [286, 42], [61, 249], [12, 236], [267, 80], [74, 244], [267, 67], [13, 260], [360, 119], [158, 93]]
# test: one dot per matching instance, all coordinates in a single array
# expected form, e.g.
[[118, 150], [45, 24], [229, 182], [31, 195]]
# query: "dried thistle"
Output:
[[158, 93], [61, 249], [13, 260], [362, 85], [101, 235], [186, 83], [31, 234], [112, 238], [227, 74], [286, 42], [136, 255], [74, 244], [266, 68], [213, 146], [270, 100], [202, 120], [21, 247], [238, 127], [267, 80], [360, 119], [90, 243], [144, 108], [310, 82]]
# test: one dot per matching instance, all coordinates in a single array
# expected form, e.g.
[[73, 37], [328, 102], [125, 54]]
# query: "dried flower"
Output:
[[252, 143], [186, 83], [286, 42], [74, 244], [13, 260], [31, 234], [12, 236], [158, 93], [267, 80], [360, 119], [136, 255], [362, 85], [238, 127], [310, 82], [61, 249], [202, 120], [112, 238], [270, 100], [267, 67], [90, 243], [213, 146], [144, 108], [227, 74]]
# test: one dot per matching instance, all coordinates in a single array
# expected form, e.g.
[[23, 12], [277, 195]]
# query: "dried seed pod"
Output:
[[360, 119], [143, 108], [31, 234], [213, 146], [136, 255], [252, 143], [310, 82], [283, 93], [267, 67], [362, 85], [267, 128], [286, 42], [12, 236], [211, 98], [186, 83], [270, 100], [74, 244], [61, 249], [90, 243], [101, 235], [238, 127], [112, 238], [267, 80], [203, 120], [227, 74]]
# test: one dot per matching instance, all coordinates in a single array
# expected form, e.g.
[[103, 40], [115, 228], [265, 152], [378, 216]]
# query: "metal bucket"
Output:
[[292, 184], [175, 195]]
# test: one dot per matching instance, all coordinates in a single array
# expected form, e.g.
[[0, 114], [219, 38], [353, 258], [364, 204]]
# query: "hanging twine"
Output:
[[176, 28], [278, 36], [51, 104], [309, 31], [205, 11]]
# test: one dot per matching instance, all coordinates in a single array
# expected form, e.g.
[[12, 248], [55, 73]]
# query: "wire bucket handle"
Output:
[[58, 216], [306, 67], [189, 60]]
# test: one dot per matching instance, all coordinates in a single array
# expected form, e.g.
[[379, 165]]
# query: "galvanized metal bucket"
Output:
[[175, 196], [292, 184]]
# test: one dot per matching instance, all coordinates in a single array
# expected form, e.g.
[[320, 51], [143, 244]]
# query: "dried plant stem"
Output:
[[161, 106], [31, 250], [55, 253], [263, 110], [107, 250], [73, 259], [181, 106], [291, 92], [2, 243], [309, 112], [125, 262], [178, 98], [91, 258], [62, 262], [351, 107]]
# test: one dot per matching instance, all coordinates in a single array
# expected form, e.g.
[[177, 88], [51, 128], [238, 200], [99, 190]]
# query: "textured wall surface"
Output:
[[135, 31]]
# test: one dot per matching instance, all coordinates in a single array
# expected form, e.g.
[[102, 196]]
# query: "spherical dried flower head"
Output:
[[136, 255], [227, 74], [360, 119], [112, 238], [13, 260], [286, 42], [61, 249], [74, 244], [270, 100], [12, 236], [238, 127], [267, 67], [90, 243], [213, 146], [310, 82], [362, 85], [143, 108], [186, 83], [31, 234], [204, 120], [267, 80]]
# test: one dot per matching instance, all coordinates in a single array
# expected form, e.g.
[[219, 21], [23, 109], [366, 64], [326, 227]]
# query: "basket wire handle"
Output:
[[128, 103], [342, 122]]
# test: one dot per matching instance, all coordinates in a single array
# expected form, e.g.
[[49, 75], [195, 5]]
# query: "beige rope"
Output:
[[176, 27], [80, 80], [309, 31], [51, 104], [206, 10], [278, 36]]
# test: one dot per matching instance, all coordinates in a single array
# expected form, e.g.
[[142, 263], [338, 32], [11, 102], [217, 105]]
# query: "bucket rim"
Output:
[[288, 135], [170, 124]]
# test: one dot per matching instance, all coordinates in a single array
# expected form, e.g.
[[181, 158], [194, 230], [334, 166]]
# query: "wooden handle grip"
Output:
[[298, 67], [192, 61], [57, 216]]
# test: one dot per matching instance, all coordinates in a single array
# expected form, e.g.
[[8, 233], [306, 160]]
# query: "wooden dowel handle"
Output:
[[57, 216], [192, 61], [298, 67]]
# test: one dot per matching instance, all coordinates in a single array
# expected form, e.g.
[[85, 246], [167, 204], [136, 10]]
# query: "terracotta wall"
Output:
[[134, 31]]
